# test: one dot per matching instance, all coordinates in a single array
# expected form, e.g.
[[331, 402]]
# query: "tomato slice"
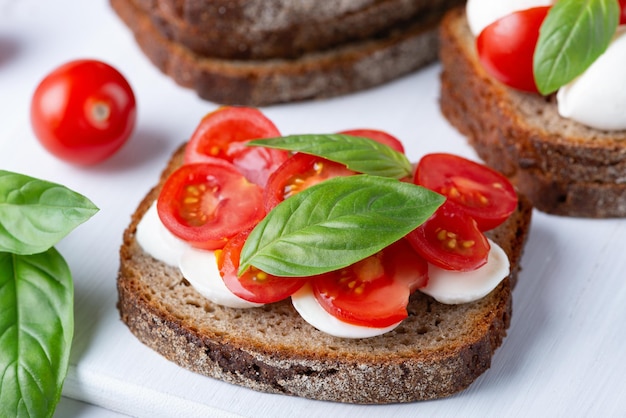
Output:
[[483, 193], [450, 239], [223, 134], [380, 136], [298, 173], [253, 285], [373, 292], [206, 204], [506, 47]]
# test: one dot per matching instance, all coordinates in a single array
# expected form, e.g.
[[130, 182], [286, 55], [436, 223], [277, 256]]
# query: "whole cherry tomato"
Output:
[[83, 111], [622, 16], [506, 47]]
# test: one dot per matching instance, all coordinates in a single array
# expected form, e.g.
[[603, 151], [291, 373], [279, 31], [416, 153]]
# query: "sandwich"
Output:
[[435, 344], [261, 53], [564, 149]]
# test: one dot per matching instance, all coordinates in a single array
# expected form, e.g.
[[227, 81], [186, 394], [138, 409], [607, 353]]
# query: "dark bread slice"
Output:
[[283, 29], [563, 167], [335, 72], [437, 351]]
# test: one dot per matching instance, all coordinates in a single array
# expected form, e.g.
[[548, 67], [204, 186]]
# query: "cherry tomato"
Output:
[[380, 136], [206, 204], [450, 239], [622, 16], [223, 134], [253, 285], [506, 47], [298, 173], [373, 292], [483, 193], [83, 111]]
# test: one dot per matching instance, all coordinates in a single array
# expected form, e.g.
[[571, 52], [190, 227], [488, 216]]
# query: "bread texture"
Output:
[[282, 28], [437, 351], [564, 167], [322, 73]]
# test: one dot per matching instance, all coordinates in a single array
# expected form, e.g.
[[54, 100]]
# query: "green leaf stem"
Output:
[[336, 223]]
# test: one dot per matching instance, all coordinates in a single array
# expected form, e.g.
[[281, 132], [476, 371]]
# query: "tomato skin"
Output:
[[506, 47], [450, 239], [377, 135], [483, 193], [373, 292], [206, 204], [223, 134], [299, 172], [622, 16], [253, 285], [83, 111]]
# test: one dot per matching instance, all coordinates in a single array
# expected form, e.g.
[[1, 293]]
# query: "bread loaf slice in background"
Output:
[[564, 167], [437, 351]]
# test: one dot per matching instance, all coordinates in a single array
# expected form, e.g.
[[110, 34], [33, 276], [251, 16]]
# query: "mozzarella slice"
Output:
[[454, 287], [157, 240], [312, 312]]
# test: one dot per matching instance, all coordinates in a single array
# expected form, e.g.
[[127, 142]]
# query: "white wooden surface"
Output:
[[565, 354]]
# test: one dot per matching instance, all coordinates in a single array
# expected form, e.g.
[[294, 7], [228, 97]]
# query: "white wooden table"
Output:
[[565, 355]]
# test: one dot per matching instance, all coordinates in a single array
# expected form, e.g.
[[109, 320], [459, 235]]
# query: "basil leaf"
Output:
[[36, 330], [360, 154], [574, 34], [336, 223], [36, 214]]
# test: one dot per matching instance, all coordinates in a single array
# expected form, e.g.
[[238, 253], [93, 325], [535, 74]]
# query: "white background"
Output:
[[565, 354]]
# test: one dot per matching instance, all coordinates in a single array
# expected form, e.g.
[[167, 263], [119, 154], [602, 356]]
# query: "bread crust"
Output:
[[284, 29], [564, 167], [322, 74], [437, 351]]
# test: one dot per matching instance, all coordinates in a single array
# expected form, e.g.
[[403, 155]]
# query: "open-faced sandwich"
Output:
[[323, 266], [538, 87], [259, 52]]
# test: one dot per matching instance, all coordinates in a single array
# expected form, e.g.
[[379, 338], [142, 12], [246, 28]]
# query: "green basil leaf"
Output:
[[36, 331], [574, 34], [36, 214], [360, 154], [336, 223]]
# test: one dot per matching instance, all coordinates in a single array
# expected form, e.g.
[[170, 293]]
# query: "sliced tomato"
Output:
[[483, 193], [380, 136], [206, 204], [373, 292], [298, 173], [450, 239], [224, 133], [506, 47], [253, 285]]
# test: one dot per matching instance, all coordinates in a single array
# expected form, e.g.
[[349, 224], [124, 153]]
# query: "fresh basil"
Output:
[[336, 223], [36, 292], [35, 214], [574, 34], [36, 330], [360, 154]]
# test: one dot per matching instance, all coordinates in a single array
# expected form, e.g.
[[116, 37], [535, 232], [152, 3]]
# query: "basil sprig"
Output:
[[336, 223], [360, 154], [574, 34], [36, 292]]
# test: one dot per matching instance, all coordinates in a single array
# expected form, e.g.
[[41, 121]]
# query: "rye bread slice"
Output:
[[563, 167], [283, 28], [352, 67], [437, 351]]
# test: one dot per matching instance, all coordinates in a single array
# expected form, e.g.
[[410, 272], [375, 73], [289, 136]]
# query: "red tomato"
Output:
[[373, 292], [300, 172], [483, 193], [506, 47], [376, 135], [83, 111], [223, 134], [451, 240], [622, 16], [206, 204], [254, 285]]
